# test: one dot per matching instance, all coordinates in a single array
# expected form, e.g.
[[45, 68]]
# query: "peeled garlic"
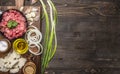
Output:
[[14, 70], [30, 19], [12, 62], [16, 55], [21, 62], [32, 14], [28, 15], [34, 9], [3, 69], [21, 8]]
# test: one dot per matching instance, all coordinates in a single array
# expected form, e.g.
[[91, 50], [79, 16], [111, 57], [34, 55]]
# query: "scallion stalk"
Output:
[[50, 39]]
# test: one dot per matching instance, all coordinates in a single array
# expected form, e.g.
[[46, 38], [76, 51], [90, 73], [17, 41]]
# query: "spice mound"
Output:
[[29, 68], [13, 24]]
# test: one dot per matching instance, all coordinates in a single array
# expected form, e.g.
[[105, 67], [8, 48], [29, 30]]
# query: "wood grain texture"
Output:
[[88, 38], [19, 3], [88, 34]]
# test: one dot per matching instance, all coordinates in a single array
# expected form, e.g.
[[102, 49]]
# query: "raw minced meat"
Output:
[[16, 16]]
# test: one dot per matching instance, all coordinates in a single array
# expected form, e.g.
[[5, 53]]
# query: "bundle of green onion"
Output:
[[50, 39]]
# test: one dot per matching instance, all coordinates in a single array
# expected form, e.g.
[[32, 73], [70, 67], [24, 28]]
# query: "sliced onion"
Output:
[[40, 49], [32, 46], [37, 38], [34, 39], [32, 27]]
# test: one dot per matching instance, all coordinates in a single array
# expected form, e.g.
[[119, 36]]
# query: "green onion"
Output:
[[50, 39]]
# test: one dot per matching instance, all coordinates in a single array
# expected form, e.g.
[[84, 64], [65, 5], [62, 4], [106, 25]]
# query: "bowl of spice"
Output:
[[5, 47], [29, 68]]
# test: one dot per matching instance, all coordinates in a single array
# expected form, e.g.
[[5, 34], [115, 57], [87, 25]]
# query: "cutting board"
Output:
[[35, 59]]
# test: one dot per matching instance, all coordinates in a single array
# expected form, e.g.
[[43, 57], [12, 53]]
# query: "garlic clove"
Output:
[[28, 15], [32, 14], [16, 55], [1, 63], [21, 8], [3, 69], [11, 63], [14, 70], [34, 9], [21, 62], [30, 19]]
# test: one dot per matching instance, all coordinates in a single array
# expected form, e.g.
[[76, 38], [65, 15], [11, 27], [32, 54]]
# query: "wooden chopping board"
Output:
[[35, 59]]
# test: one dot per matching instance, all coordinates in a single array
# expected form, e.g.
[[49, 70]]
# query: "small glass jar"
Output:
[[20, 46], [5, 45]]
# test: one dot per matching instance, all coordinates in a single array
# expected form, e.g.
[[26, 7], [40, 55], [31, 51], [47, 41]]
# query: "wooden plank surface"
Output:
[[88, 42]]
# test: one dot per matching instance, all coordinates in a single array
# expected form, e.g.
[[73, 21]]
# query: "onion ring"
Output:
[[33, 37], [40, 49]]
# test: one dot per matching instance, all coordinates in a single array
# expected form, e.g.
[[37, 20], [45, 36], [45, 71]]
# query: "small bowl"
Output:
[[8, 43], [3, 53], [27, 68], [21, 13], [20, 46]]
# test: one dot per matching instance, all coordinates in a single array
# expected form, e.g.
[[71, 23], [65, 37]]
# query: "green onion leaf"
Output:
[[50, 39]]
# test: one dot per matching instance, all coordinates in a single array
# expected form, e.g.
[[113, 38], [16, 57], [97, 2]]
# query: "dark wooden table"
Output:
[[88, 34]]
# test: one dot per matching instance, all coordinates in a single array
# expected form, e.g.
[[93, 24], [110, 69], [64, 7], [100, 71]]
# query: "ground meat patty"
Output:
[[14, 15]]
